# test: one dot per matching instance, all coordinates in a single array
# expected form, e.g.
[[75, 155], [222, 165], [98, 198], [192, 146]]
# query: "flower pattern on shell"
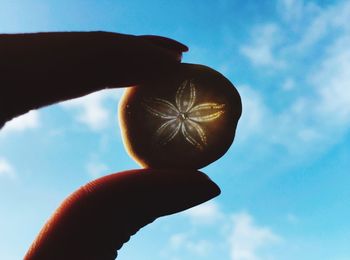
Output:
[[184, 116]]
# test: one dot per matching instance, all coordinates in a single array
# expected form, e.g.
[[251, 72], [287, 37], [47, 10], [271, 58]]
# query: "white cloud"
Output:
[[96, 169], [255, 114], [177, 240], [233, 234], [6, 169], [317, 112], [288, 84], [297, 13], [291, 10], [291, 218], [30, 120], [205, 213], [261, 51], [332, 83], [323, 22], [313, 33], [91, 110], [201, 247], [322, 116], [305, 25], [183, 241], [246, 238], [308, 135]]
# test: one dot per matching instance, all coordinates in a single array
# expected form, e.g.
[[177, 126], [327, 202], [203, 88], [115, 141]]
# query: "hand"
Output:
[[95, 221], [44, 68]]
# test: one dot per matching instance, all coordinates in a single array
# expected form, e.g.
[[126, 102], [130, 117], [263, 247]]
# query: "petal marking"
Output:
[[167, 131], [207, 118], [189, 138], [160, 108], [185, 96], [206, 112], [207, 106], [199, 130]]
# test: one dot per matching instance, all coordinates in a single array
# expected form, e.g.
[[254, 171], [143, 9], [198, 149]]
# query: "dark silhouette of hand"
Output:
[[45, 68]]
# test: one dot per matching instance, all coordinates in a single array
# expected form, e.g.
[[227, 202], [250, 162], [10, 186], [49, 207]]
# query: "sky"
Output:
[[285, 180]]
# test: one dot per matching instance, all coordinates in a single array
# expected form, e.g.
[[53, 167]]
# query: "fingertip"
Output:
[[165, 42], [171, 191]]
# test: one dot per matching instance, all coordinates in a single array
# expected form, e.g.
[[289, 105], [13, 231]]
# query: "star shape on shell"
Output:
[[184, 116]]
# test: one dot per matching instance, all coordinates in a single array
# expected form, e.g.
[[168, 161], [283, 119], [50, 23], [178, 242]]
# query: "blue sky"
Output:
[[285, 181]]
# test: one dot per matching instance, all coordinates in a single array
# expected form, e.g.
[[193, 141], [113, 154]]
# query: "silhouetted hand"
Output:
[[41, 69]]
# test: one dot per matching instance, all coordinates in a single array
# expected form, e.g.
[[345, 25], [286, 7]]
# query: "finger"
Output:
[[45, 68], [97, 219], [167, 43], [153, 56]]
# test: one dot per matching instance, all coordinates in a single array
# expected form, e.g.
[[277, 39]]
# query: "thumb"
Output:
[[95, 221]]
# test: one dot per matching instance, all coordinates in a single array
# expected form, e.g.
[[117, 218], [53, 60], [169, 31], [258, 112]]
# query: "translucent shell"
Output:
[[184, 120]]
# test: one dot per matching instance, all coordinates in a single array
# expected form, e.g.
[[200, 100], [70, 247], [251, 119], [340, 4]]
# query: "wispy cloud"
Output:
[[291, 10], [320, 23], [6, 169], [92, 111], [261, 50], [183, 241], [96, 169], [199, 217], [332, 83], [294, 12], [292, 218], [318, 116], [288, 84], [30, 120], [206, 213], [255, 114], [236, 235], [246, 238]]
